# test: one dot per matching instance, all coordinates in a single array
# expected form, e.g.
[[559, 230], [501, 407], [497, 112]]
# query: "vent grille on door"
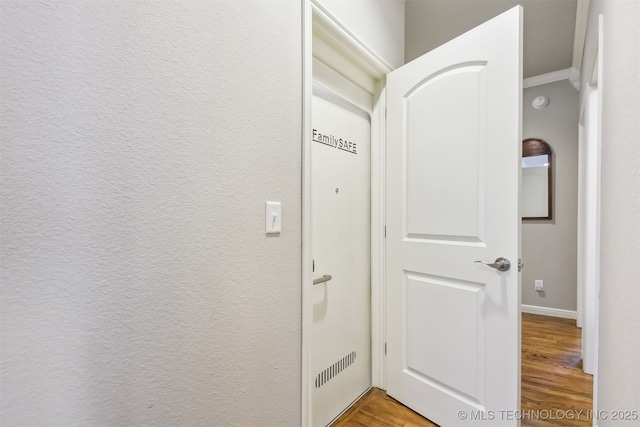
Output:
[[333, 370]]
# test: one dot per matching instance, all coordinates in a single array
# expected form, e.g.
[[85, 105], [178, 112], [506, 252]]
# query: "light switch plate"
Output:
[[273, 217], [539, 285]]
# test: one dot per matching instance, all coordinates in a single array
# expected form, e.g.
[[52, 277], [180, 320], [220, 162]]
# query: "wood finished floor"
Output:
[[552, 376], [552, 380]]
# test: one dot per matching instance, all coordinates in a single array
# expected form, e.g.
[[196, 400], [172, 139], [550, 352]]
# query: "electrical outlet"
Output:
[[539, 285]]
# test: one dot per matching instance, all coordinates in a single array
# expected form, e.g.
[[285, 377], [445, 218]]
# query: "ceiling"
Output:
[[549, 27]]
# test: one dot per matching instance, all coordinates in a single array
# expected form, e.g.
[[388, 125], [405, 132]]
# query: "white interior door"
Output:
[[340, 197], [453, 177]]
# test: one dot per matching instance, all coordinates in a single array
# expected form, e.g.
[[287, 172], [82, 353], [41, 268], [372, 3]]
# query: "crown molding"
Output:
[[543, 79]]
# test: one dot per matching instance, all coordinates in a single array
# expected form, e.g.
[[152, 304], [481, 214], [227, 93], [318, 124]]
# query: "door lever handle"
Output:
[[322, 279], [501, 264]]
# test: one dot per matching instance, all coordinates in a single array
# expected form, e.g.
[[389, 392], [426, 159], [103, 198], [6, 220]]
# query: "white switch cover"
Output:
[[539, 285], [273, 218]]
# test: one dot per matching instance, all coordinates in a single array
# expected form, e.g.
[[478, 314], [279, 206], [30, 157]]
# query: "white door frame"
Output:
[[367, 67], [590, 126]]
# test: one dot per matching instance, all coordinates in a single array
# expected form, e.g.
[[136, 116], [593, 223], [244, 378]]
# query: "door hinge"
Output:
[[313, 265], [385, 349], [385, 231]]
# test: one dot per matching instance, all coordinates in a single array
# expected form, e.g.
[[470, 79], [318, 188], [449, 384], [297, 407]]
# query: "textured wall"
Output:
[[549, 248], [618, 383], [139, 143], [378, 23]]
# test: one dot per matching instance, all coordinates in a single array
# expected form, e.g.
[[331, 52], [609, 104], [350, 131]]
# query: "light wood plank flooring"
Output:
[[552, 380]]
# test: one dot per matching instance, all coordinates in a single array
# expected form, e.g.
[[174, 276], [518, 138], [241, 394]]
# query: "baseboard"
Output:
[[546, 311]]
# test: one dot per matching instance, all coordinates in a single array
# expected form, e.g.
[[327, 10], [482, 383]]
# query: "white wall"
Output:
[[549, 249], [379, 24], [618, 383], [139, 143]]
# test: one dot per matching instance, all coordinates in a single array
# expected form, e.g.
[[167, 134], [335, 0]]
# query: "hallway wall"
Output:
[[549, 248], [139, 143], [618, 384]]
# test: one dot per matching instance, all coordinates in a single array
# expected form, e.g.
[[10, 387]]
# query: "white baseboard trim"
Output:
[[546, 311]]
